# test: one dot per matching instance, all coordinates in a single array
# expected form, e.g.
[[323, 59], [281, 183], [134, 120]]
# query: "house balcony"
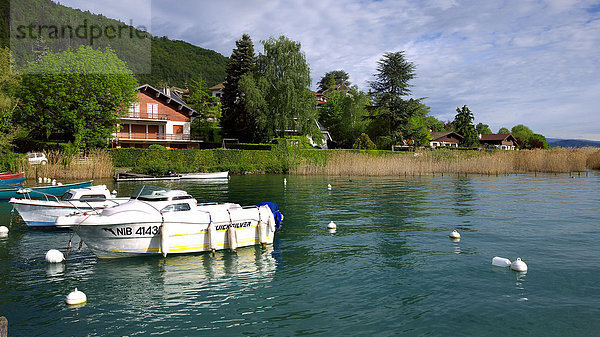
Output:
[[146, 116], [155, 136]]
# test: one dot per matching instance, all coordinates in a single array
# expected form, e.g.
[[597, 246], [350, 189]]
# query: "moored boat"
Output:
[[9, 175], [159, 220], [11, 181], [198, 175], [43, 213], [207, 175], [8, 178], [12, 191]]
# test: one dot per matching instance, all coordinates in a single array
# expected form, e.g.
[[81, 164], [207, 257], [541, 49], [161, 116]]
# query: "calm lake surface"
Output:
[[389, 270]]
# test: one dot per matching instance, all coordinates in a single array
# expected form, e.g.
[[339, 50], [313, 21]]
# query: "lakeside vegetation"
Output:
[[102, 163]]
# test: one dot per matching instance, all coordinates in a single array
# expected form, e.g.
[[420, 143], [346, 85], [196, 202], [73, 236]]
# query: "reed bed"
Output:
[[344, 163], [97, 164]]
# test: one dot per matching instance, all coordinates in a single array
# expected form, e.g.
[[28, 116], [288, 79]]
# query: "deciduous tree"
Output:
[[279, 94], [77, 95], [483, 129], [343, 115]]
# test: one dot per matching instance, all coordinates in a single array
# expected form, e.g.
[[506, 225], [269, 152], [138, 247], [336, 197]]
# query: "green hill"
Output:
[[40, 26]]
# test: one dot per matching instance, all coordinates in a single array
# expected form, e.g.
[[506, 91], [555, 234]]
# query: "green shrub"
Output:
[[363, 142]]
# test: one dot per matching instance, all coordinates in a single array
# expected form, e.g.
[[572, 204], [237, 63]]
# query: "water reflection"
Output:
[[464, 196], [181, 279]]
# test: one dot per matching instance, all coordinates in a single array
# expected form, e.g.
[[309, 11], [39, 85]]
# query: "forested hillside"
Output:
[[154, 60]]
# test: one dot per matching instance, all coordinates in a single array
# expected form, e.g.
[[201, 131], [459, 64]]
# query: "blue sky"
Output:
[[512, 62]]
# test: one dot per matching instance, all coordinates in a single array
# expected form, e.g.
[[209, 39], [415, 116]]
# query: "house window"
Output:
[[152, 110], [134, 110]]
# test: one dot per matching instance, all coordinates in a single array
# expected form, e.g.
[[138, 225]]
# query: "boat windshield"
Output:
[[150, 193], [154, 193]]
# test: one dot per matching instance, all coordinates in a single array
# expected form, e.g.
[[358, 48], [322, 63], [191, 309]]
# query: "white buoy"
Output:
[[3, 231], [76, 297], [40, 180], [54, 256], [329, 187], [455, 234], [500, 262], [332, 225], [518, 265]]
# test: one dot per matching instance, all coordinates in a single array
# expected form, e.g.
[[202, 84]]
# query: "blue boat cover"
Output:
[[275, 209]]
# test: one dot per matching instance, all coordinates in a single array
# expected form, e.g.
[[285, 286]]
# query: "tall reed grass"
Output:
[[97, 164], [345, 163]]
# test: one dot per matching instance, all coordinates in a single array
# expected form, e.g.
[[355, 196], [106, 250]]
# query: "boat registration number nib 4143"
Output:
[[157, 220], [128, 231]]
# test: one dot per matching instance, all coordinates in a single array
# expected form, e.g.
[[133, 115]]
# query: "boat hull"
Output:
[[42, 213], [130, 232], [38, 192], [11, 181], [123, 240]]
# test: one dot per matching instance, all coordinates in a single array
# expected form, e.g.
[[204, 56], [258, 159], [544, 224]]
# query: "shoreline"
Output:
[[102, 164]]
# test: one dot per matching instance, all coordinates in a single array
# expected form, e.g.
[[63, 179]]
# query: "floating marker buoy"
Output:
[[500, 262], [3, 231], [332, 225], [329, 187], [76, 297], [54, 256], [455, 234], [518, 265]]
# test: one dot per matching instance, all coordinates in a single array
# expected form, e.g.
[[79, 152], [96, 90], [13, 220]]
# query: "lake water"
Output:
[[390, 269]]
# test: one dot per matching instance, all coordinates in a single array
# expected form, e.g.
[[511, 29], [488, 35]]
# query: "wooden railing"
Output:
[[145, 115], [156, 136]]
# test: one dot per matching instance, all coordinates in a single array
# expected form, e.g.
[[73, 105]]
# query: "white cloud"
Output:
[[512, 62]]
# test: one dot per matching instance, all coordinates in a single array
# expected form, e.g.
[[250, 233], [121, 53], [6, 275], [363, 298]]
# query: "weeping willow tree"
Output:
[[277, 94]]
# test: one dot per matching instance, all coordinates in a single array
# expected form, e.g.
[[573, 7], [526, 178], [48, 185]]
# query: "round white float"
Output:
[[455, 234], [76, 297], [54, 256], [500, 261], [518, 265], [332, 225], [329, 187]]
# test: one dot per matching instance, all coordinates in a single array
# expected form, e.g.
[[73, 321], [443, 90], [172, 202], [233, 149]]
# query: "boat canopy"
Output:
[[155, 193]]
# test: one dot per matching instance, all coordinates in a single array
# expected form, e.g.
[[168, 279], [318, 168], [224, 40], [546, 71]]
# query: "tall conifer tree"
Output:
[[236, 121]]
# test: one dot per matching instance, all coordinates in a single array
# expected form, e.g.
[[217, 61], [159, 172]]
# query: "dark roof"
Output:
[[171, 99], [497, 137], [437, 135]]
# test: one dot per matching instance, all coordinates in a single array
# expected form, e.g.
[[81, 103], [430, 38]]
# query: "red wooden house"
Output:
[[159, 117]]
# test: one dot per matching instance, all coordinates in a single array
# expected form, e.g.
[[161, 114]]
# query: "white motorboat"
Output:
[[203, 175], [43, 212], [159, 220]]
